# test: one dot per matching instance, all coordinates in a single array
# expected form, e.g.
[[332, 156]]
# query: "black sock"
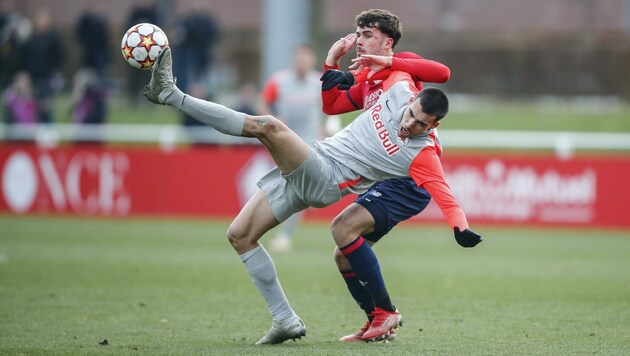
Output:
[[365, 264], [360, 294]]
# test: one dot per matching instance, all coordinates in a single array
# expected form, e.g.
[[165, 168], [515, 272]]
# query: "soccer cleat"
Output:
[[162, 83], [278, 333], [356, 337], [382, 325]]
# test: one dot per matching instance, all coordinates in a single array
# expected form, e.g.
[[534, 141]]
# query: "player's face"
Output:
[[303, 59], [370, 40], [415, 122]]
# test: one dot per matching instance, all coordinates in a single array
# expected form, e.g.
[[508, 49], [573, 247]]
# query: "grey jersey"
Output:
[[369, 149]]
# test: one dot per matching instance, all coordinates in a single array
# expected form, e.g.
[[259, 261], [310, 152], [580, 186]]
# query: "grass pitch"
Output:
[[175, 287]]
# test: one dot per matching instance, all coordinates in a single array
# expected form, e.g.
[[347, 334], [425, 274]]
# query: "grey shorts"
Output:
[[311, 184]]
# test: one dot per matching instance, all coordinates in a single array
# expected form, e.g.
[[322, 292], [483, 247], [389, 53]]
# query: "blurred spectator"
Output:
[[89, 98], [247, 96], [92, 35], [144, 11], [19, 101], [44, 58], [293, 95], [15, 29], [194, 39]]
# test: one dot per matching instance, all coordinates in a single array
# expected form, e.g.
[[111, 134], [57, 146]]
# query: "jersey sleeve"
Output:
[[426, 171], [421, 69], [335, 101]]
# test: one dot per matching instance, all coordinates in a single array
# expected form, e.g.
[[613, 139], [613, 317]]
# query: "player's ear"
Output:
[[436, 123], [389, 43]]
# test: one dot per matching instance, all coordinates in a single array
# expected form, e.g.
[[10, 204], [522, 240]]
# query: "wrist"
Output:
[[327, 67], [332, 61], [390, 62]]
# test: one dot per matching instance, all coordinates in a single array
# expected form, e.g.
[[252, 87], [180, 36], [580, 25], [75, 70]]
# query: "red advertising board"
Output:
[[216, 181]]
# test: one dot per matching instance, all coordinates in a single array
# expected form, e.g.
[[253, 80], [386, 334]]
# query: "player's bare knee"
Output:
[[233, 238], [237, 239], [341, 231], [336, 225]]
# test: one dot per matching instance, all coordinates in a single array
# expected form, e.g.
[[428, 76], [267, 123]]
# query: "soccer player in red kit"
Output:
[[386, 204]]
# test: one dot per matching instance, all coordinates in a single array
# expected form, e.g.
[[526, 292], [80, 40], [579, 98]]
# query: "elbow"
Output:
[[445, 75]]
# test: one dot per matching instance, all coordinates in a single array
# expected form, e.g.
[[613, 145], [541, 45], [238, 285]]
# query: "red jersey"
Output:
[[366, 91]]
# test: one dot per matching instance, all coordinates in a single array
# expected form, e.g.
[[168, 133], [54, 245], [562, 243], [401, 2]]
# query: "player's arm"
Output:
[[420, 69], [426, 170]]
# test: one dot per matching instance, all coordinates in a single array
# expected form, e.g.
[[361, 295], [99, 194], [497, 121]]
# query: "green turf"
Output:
[[175, 287]]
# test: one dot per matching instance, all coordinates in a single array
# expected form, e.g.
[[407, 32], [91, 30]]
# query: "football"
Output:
[[142, 44]]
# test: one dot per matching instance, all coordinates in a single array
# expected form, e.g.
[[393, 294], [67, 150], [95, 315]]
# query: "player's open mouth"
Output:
[[403, 132]]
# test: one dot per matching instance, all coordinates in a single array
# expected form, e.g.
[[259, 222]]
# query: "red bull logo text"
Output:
[[381, 131]]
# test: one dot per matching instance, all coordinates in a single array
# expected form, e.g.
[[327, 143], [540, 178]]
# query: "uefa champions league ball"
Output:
[[142, 44]]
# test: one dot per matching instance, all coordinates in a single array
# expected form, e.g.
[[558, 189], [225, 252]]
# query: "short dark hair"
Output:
[[385, 21], [434, 102]]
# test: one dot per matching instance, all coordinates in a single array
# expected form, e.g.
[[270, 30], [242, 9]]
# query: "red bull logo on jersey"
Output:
[[389, 146], [371, 99]]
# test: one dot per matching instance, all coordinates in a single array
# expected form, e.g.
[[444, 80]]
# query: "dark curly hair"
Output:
[[384, 20]]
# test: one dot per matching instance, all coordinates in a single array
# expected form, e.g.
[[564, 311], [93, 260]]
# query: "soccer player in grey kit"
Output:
[[392, 140]]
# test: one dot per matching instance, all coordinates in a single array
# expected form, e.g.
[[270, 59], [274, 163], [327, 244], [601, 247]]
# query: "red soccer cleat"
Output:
[[356, 337], [383, 325]]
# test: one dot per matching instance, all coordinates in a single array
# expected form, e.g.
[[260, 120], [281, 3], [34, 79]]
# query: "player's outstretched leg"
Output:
[[292, 329], [162, 90], [162, 83]]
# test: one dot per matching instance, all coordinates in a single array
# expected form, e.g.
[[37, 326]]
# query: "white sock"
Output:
[[218, 116], [263, 272]]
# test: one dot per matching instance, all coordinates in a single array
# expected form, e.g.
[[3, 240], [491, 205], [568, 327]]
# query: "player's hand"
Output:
[[336, 78], [375, 62], [340, 48], [467, 238]]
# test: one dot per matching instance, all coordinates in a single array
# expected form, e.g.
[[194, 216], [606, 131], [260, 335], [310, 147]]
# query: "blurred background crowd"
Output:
[[69, 49]]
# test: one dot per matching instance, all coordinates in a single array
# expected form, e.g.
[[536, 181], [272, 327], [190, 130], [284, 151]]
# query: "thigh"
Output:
[[281, 196], [314, 182], [392, 201], [286, 148]]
